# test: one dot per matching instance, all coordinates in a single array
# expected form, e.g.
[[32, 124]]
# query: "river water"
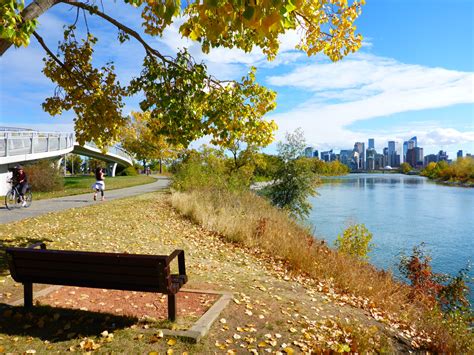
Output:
[[401, 211]]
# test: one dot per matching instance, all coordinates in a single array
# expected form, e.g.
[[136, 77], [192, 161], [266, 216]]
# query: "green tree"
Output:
[[177, 91], [294, 181], [74, 163]]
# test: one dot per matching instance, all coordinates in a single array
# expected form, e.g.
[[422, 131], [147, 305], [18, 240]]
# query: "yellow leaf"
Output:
[[171, 342]]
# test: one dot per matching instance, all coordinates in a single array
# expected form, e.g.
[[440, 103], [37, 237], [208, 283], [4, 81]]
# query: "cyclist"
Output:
[[20, 180]]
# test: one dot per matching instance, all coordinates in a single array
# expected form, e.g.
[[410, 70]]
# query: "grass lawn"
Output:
[[272, 311], [75, 185]]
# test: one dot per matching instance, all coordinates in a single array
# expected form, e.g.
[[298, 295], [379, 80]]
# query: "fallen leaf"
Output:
[[171, 342]]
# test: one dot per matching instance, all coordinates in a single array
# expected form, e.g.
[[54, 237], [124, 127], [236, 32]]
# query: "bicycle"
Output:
[[13, 198]]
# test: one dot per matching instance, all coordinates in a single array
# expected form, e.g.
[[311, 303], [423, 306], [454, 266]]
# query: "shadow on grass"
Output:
[[58, 324], [16, 242]]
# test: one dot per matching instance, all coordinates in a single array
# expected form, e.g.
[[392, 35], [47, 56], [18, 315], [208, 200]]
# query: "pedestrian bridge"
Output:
[[18, 147]]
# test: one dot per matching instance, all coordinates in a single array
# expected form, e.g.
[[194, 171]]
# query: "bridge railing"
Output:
[[32, 142], [116, 150]]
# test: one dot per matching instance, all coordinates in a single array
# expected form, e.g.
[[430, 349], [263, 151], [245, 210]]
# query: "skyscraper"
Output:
[[393, 159], [409, 144], [459, 155], [371, 143], [359, 147]]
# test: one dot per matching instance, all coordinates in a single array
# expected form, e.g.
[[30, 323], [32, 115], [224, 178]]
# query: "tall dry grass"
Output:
[[246, 218]]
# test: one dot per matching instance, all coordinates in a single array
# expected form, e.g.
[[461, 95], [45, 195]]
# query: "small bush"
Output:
[[207, 169], [355, 241], [128, 171], [450, 292], [44, 176]]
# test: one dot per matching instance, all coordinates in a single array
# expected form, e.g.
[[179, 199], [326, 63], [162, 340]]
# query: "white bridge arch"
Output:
[[19, 146]]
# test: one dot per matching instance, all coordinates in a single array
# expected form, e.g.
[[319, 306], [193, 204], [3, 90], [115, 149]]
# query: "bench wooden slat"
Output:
[[52, 266], [85, 257]]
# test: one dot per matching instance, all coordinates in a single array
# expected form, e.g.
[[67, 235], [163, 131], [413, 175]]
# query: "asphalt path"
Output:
[[41, 207]]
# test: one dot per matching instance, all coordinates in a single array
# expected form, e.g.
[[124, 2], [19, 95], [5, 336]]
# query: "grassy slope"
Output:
[[76, 185], [272, 309]]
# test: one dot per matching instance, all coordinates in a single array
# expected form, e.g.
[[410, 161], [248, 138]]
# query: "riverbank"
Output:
[[248, 220], [453, 183]]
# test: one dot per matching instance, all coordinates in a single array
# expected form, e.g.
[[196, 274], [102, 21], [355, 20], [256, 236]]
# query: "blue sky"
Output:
[[413, 76]]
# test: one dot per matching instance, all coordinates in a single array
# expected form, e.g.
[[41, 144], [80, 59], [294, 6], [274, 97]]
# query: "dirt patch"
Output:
[[128, 303]]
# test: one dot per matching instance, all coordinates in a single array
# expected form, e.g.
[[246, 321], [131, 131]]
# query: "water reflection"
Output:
[[371, 180], [401, 211]]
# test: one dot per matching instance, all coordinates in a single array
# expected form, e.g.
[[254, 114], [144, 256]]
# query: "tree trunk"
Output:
[[161, 166], [34, 10]]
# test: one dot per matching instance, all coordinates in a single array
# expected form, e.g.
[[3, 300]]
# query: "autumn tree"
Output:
[[177, 91], [405, 168], [139, 138]]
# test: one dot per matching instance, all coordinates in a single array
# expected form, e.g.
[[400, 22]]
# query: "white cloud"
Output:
[[365, 86]]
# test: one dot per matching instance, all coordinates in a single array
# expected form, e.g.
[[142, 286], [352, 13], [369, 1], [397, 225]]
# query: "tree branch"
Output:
[[31, 12], [95, 11], [69, 72], [148, 49]]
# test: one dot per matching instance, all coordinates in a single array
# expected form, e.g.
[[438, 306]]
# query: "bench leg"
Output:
[[172, 307], [28, 295]]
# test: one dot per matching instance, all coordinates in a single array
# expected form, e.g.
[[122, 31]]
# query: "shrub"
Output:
[[450, 293], [44, 176], [405, 168], [208, 169], [355, 241], [129, 171]]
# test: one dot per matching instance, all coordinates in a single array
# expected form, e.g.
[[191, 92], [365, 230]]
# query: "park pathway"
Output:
[[41, 207]]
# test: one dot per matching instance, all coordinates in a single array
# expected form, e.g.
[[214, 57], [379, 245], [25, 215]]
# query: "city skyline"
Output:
[[380, 146], [390, 156]]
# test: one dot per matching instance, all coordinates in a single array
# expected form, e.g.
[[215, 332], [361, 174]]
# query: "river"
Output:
[[401, 211]]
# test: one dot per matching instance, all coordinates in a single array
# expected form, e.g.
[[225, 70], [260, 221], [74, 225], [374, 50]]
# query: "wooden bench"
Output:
[[130, 272]]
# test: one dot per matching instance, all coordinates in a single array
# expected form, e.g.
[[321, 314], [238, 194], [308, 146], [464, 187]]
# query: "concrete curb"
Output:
[[202, 326]]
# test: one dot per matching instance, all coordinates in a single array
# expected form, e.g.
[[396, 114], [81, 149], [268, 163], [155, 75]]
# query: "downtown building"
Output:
[[414, 157]]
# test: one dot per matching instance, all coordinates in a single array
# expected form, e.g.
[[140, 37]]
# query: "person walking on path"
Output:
[[99, 184]]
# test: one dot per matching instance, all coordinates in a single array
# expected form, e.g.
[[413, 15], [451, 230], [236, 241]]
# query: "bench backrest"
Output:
[[132, 272]]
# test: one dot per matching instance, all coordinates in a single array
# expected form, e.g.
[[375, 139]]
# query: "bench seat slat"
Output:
[[84, 257], [51, 266]]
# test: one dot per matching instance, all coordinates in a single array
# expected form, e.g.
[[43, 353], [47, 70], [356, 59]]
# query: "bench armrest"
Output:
[[181, 263], [41, 245]]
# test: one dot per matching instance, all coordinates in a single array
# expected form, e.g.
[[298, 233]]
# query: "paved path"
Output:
[[40, 207]]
